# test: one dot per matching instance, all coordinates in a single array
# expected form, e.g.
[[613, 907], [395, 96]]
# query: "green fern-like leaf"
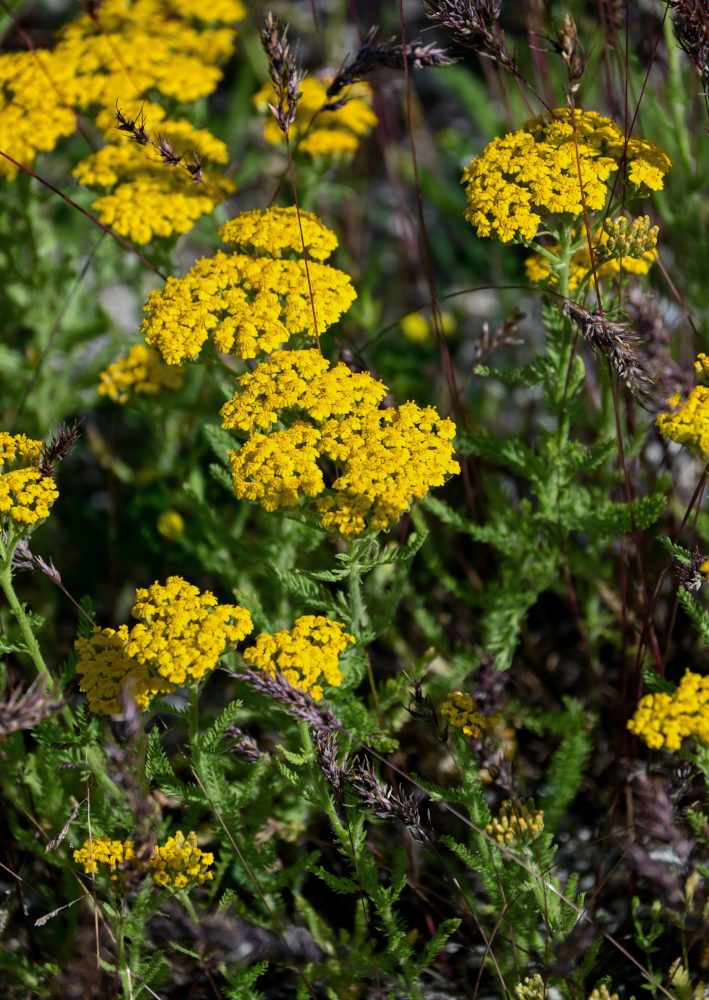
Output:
[[696, 614], [566, 770]]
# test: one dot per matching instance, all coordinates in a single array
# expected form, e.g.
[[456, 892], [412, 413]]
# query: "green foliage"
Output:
[[531, 583]]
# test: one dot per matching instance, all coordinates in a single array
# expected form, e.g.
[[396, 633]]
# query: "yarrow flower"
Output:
[[26, 493], [336, 130], [102, 852], [664, 720], [301, 380], [179, 863], [305, 655], [149, 195], [133, 46], [386, 458], [687, 422], [140, 372], [534, 172], [461, 712], [249, 302], [179, 637], [516, 823]]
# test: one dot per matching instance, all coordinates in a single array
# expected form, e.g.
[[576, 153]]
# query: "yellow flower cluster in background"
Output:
[[26, 493], [317, 132], [418, 328], [533, 172], [134, 47], [687, 422], [516, 823], [386, 458], [102, 852], [249, 303], [178, 863], [179, 637], [460, 711], [664, 720], [146, 196], [140, 372], [306, 655]]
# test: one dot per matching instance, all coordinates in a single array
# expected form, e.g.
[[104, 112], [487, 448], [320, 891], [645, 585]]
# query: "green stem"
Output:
[[565, 347], [354, 597], [193, 719], [21, 616]]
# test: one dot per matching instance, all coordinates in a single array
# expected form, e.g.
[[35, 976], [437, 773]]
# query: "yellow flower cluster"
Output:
[[276, 469], [248, 303], [459, 710], [102, 851], [140, 372], [322, 133], [688, 422], [18, 450], [32, 121], [26, 494], [180, 635], [133, 47], [525, 175], [179, 862], [386, 458], [390, 458], [517, 823], [302, 380], [635, 260], [107, 671], [149, 197], [275, 230], [664, 720], [305, 654]]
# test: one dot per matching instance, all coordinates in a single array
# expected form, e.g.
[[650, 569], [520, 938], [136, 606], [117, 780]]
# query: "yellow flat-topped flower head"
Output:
[[687, 420], [665, 720], [144, 195], [133, 47], [179, 863], [280, 232], [307, 655], [386, 458], [534, 172], [460, 711], [336, 132], [104, 854], [179, 637], [26, 492], [140, 372], [250, 303]]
